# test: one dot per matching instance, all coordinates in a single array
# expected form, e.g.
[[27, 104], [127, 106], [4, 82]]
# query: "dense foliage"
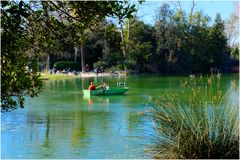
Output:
[[17, 79]]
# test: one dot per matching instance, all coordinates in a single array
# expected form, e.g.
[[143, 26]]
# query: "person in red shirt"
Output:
[[92, 86]]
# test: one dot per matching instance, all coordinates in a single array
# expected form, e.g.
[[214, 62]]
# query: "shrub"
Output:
[[100, 64], [205, 125], [61, 65]]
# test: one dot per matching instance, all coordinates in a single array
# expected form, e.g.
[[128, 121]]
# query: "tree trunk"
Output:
[[166, 58], [47, 63], [75, 53], [106, 48], [82, 58], [123, 47]]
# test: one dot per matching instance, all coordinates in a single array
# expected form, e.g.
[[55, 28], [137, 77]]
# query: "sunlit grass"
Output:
[[46, 76], [205, 125]]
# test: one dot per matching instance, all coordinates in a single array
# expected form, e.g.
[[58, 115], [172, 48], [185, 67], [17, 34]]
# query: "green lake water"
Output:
[[62, 123]]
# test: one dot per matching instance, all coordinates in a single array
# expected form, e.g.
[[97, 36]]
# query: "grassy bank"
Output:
[[206, 125], [46, 76]]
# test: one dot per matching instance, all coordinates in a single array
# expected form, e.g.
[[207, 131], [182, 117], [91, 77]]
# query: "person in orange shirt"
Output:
[[92, 86]]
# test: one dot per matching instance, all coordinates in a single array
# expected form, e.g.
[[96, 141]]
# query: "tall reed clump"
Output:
[[203, 125]]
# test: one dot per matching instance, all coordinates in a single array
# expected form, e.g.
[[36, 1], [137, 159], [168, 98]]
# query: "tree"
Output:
[[232, 30], [123, 11], [112, 53], [232, 33], [197, 43], [141, 40], [163, 32], [44, 32], [217, 42], [183, 41], [17, 80]]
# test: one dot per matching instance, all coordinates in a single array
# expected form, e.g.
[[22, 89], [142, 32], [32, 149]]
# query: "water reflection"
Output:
[[62, 123], [233, 94], [46, 141], [71, 130], [104, 100]]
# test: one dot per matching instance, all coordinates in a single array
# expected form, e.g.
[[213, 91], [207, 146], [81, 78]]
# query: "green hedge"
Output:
[[61, 65]]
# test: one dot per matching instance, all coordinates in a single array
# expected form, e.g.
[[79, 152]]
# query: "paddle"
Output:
[[100, 92], [102, 89]]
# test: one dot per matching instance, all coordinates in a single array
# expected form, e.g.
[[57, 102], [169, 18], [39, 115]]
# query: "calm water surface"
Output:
[[62, 123]]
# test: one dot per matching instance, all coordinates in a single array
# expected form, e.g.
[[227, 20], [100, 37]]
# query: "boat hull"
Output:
[[111, 91]]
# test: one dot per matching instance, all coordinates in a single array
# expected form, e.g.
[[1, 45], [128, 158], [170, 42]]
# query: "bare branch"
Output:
[[180, 7], [191, 12], [63, 11]]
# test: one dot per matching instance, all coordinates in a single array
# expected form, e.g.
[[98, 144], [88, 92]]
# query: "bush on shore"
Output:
[[61, 65]]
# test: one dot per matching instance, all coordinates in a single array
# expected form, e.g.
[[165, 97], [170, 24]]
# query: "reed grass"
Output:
[[204, 125]]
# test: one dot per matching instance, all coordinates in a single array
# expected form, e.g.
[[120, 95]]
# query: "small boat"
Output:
[[110, 91]]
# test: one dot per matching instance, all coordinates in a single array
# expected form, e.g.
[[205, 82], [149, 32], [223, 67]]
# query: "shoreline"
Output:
[[105, 74], [92, 74], [48, 76]]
